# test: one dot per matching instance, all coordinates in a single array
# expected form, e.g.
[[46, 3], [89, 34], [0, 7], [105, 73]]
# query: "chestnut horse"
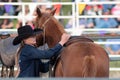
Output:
[[81, 57]]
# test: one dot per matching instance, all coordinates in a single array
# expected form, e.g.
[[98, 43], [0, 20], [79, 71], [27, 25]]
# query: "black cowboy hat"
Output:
[[25, 32]]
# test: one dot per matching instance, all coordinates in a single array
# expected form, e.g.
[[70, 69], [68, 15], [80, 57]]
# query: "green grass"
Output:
[[115, 64], [15, 22]]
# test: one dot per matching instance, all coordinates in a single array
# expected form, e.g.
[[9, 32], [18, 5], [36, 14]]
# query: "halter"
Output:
[[43, 27]]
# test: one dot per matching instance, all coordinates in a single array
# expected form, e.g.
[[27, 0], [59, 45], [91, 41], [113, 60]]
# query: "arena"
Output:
[[97, 20]]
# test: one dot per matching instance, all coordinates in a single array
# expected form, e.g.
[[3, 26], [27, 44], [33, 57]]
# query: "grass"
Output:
[[115, 64]]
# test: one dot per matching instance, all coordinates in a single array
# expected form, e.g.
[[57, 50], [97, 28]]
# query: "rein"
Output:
[[43, 25]]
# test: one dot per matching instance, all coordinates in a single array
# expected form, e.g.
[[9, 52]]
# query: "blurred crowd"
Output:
[[98, 10], [16, 10], [84, 9], [8, 10]]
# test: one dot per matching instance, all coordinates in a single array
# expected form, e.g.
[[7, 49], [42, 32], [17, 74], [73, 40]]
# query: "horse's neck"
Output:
[[52, 42], [53, 39]]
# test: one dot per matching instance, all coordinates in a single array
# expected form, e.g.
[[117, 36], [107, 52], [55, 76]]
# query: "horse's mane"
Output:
[[60, 27], [54, 30]]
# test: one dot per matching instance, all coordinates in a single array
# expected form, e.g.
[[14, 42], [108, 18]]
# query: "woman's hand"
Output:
[[65, 37]]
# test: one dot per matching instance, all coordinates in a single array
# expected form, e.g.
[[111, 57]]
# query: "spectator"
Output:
[[18, 8], [113, 49], [107, 7], [28, 19], [2, 10], [32, 9], [9, 9], [19, 23], [86, 23], [27, 14], [116, 10], [106, 22], [69, 24], [118, 22], [29, 22], [6, 24], [93, 10]]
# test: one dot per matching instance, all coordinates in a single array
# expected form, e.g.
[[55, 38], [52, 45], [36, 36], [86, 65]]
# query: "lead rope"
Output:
[[44, 37], [43, 26], [44, 48], [44, 75]]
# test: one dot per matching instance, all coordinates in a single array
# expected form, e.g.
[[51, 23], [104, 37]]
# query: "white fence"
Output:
[[75, 22]]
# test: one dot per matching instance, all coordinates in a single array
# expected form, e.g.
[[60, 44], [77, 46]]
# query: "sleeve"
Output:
[[45, 54]]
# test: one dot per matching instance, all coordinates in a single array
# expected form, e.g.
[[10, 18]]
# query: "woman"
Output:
[[28, 56]]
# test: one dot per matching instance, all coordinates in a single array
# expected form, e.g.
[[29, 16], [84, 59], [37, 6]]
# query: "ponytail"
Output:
[[17, 55]]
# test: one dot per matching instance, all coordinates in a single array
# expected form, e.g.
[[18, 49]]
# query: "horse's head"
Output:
[[52, 29], [43, 19]]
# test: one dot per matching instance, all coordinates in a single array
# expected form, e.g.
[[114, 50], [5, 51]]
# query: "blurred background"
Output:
[[96, 19]]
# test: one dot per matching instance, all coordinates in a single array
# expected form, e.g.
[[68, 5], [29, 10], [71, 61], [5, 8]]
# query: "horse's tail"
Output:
[[89, 66]]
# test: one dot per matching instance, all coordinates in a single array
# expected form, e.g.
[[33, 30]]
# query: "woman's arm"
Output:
[[43, 54], [52, 51]]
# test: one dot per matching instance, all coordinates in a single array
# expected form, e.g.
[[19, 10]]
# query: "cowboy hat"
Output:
[[25, 32]]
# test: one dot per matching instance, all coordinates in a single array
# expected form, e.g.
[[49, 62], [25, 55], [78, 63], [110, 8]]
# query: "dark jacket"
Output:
[[30, 63]]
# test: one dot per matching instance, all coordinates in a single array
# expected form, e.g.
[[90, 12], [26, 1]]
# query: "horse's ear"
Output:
[[53, 11], [38, 12]]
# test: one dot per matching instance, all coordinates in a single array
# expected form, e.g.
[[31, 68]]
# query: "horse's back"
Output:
[[81, 56]]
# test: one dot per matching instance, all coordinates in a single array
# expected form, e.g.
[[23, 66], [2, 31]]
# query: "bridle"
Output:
[[43, 27]]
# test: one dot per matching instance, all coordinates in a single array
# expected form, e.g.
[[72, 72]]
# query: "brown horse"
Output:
[[80, 58]]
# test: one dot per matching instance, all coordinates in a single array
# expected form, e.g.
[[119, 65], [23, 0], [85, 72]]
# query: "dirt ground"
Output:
[[114, 74]]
